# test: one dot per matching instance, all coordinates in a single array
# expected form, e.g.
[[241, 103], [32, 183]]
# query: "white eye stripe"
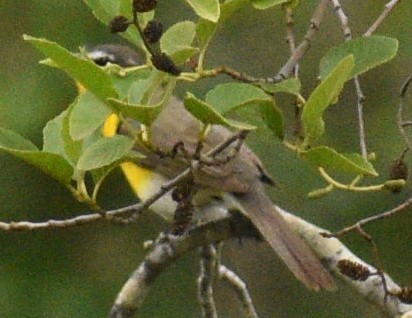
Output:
[[95, 55], [114, 54]]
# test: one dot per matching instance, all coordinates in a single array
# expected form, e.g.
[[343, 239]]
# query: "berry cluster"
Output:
[[151, 35]]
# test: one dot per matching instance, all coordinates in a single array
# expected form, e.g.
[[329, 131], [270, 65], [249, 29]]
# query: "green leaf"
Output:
[[326, 93], [272, 117], [205, 28], [368, 52], [101, 173], [137, 91], [57, 138], [204, 32], [144, 114], [178, 35], [52, 135], [290, 85], [106, 10], [145, 91], [104, 152], [92, 77], [265, 4], [207, 115], [72, 147], [10, 140], [177, 40], [145, 17], [88, 114], [237, 98], [226, 96], [122, 81], [207, 9], [260, 113], [50, 163], [329, 158], [183, 54]]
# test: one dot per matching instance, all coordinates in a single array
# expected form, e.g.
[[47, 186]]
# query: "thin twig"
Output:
[[402, 207], [236, 75], [407, 123], [290, 39], [196, 165], [348, 36], [214, 160], [150, 48], [53, 224], [135, 210], [360, 98], [343, 18], [347, 33], [378, 261], [206, 281], [401, 123], [300, 51], [241, 290], [405, 86], [285, 70], [290, 35], [388, 8]]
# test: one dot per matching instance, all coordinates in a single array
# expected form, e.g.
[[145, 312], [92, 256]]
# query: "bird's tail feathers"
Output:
[[293, 251]]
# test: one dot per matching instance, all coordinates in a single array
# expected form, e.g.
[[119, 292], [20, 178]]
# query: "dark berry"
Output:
[[119, 24], [399, 170], [153, 31], [144, 5], [164, 63]]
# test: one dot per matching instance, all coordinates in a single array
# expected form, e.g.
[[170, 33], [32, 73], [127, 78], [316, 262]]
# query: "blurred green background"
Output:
[[77, 272]]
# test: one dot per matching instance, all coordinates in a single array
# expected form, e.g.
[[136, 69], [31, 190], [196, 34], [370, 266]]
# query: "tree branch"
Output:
[[388, 8], [331, 250], [166, 250], [300, 51], [206, 280], [241, 290]]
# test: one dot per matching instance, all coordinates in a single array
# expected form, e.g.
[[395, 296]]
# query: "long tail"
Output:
[[294, 252]]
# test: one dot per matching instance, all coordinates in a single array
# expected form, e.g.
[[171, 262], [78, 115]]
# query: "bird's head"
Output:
[[121, 55]]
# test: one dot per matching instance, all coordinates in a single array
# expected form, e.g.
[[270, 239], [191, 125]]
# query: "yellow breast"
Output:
[[137, 177], [143, 182]]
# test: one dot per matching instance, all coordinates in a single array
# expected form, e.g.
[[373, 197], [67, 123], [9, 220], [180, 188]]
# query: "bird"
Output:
[[238, 183]]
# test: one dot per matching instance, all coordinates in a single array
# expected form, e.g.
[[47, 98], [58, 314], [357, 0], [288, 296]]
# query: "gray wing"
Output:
[[175, 125]]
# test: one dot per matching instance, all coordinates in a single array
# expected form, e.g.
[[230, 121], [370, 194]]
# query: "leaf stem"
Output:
[[350, 187]]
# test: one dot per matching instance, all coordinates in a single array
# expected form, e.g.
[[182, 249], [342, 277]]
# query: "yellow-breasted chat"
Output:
[[239, 183]]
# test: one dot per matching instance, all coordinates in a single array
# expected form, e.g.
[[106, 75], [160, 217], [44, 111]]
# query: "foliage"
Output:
[[73, 139], [73, 146]]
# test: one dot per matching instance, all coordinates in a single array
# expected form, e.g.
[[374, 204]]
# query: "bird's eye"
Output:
[[102, 61]]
